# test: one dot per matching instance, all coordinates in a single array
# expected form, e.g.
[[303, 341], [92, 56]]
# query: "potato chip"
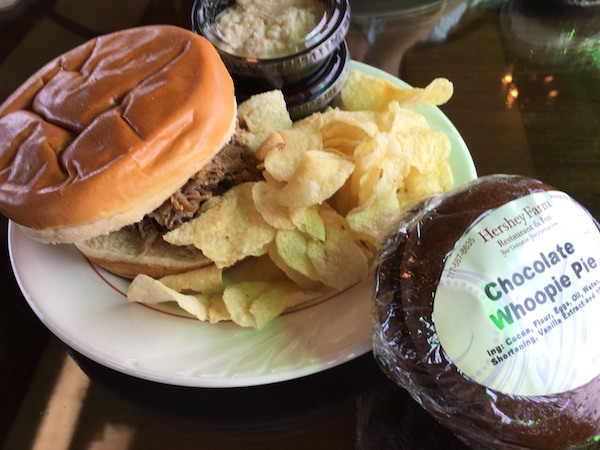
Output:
[[418, 185], [260, 115], [229, 231], [424, 149], [317, 178], [254, 304], [269, 178], [309, 221], [290, 248], [262, 268], [438, 92], [373, 219], [345, 130], [338, 260], [218, 311], [299, 278], [370, 184], [189, 232], [277, 299], [264, 195], [398, 119], [343, 200], [371, 155], [306, 131], [314, 121], [381, 151], [281, 161], [365, 119], [147, 290], [273, 142], [390, 195], [207, 280], [372, 93]]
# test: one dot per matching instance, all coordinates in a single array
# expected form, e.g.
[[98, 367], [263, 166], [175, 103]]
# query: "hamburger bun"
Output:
[[105, 133], [499, 402], [121, 252]]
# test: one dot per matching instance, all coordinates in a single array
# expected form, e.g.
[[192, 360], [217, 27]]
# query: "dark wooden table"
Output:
[[521, 107]]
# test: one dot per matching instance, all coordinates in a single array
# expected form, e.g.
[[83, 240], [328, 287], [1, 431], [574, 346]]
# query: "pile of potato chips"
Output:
[[335, 183]]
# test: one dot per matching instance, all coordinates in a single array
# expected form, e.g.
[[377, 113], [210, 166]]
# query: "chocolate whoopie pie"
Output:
[[485, 308]]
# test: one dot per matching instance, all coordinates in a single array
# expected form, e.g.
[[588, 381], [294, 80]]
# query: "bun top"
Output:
[[104, 133], [485, 313]]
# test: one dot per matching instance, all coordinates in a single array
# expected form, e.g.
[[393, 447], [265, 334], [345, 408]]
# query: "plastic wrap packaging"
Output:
[[487, 312]]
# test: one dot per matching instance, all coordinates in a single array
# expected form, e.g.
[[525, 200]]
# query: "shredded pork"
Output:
[[234, 164]]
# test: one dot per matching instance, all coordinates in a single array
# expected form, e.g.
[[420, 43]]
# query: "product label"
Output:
[[517, 308]]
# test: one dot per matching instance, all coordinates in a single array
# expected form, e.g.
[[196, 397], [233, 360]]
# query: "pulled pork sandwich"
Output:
[[118, 141]]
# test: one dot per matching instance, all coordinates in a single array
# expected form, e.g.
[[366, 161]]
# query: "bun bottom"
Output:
[[119, 252]]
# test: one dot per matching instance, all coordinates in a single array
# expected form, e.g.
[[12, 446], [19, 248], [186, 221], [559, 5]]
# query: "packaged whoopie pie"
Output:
[[487, 310]]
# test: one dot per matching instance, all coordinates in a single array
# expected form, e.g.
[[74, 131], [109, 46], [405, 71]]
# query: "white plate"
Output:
[[86, 308]]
